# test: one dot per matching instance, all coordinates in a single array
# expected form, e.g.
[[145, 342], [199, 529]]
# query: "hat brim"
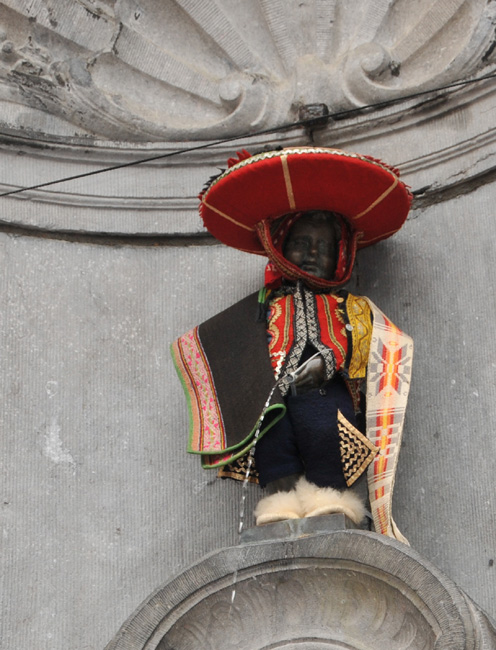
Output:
[[365, 191]]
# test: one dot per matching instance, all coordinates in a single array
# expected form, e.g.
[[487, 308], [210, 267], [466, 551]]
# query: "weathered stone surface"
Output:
[[170, 70], [93, 84], [100, 502], [295, 528], [331, 590], [439, 155]]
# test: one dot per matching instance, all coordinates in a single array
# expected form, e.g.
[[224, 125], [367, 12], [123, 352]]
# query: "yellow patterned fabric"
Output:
[[359, 315]]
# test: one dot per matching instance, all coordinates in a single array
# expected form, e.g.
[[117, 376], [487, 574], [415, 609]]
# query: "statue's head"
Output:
[[254, 204], [312, 243]]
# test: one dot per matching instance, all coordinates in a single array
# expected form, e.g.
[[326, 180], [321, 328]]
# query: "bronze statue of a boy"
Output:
[[307, 380]]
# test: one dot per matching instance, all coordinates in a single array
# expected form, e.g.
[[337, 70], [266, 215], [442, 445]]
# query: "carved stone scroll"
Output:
[[162, 70]]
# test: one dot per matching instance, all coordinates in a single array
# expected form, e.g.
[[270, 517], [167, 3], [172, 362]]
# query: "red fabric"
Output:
[[273, 276], [280, 328], [242, 155], [256, 189], [331, 327], [292, 272]]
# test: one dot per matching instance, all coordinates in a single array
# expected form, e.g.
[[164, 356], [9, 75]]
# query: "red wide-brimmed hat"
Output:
[[240, 206]]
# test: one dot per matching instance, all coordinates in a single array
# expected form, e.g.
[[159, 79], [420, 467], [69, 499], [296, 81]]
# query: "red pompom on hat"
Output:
[[240, 206]]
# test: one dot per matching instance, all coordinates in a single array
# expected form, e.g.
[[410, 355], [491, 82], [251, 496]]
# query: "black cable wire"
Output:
[[283, 127]]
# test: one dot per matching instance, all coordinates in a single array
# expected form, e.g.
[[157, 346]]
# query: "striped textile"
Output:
[[388, 383]]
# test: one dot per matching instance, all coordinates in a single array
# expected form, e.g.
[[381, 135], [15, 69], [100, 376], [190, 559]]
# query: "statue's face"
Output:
[[311, 245]]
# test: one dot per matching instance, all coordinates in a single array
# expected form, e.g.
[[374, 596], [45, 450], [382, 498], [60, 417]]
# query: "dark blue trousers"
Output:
[[306, 441]]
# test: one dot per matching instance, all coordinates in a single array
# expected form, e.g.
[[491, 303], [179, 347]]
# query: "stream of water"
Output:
[[251, 456]]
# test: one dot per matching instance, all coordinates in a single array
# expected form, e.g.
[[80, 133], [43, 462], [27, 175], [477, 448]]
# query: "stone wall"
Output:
[[100, 503]]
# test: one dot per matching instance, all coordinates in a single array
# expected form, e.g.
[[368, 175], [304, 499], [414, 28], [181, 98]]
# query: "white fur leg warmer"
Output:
[[277, 507], [317, 501]]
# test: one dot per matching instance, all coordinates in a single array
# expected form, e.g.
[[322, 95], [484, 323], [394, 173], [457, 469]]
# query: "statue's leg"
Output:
[[278, 507], [284, 484], [316, 501], [323, 489], [279, 466], [314, 419], [277, 456]]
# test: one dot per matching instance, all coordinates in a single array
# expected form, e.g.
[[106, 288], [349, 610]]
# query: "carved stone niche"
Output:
[[172, 70], [91, 84], [344, 589]]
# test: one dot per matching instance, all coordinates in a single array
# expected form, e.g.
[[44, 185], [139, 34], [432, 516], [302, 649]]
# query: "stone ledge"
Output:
[[295, 528], [347, 588]]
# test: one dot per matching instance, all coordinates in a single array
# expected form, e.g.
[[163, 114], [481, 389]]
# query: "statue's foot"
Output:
[[316, 501], [278, 507]]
